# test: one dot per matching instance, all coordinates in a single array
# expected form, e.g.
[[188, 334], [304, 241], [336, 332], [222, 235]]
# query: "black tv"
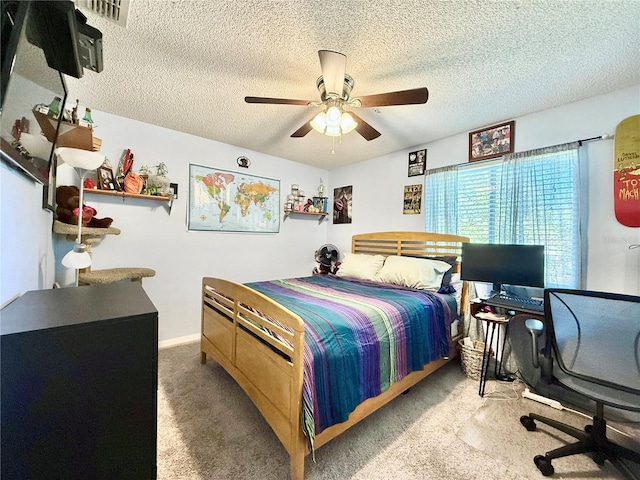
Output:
[[27, 81], [41, 41], [55, 26], [68, 43], [513, 265]]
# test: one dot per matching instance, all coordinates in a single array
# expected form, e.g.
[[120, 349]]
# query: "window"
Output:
[[525, 198]]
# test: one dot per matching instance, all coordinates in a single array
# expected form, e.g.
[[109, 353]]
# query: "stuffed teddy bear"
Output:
[[67, 199]]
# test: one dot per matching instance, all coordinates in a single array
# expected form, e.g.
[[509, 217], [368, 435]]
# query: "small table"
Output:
[[493, 321], [496, 320]]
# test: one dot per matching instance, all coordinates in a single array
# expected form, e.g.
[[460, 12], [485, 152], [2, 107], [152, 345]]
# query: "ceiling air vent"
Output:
[[115, 10]]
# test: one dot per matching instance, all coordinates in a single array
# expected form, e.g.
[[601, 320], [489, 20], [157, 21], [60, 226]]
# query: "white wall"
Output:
[[26, 255], [378, 184], [154, 239], [378, 196]]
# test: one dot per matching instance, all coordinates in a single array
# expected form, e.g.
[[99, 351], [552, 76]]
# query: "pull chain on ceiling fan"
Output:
[[335, 87]]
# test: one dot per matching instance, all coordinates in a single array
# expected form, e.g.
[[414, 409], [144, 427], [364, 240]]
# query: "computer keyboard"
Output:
[[516, 303]]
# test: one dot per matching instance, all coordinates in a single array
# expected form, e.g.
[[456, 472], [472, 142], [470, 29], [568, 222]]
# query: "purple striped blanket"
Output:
[[360, 337]]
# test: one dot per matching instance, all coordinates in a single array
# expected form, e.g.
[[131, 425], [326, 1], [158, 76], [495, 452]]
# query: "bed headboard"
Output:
[[410, 244], [414, 244]]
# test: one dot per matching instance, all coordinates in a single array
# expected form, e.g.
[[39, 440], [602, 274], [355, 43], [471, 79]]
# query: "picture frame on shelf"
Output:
[[106, 180], [491, 142], [417, 162], [173, 189], [320, 204]]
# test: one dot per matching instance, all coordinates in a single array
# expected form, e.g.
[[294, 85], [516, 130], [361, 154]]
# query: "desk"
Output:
[[494, 322]]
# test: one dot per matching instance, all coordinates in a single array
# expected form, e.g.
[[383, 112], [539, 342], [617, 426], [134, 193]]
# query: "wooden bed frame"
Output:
[[271, 371]]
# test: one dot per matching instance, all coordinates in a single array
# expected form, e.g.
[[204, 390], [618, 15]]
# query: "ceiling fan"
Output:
[[335, 89]]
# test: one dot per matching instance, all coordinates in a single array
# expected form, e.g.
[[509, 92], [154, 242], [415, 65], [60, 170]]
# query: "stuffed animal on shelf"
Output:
[[67, 210]]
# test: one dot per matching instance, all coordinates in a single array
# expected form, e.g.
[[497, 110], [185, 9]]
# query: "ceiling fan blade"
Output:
[[276, 101], [333, 65], [302, 131], [403, 97], [367, 131]]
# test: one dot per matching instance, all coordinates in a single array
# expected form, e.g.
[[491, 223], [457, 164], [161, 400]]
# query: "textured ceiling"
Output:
[[188, 64]]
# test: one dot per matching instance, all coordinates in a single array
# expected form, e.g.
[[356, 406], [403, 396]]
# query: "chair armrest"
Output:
[[536, 328]]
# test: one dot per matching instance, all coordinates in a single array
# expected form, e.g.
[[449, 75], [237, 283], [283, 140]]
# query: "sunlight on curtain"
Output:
[[479, 199], [441, 195], [540, 193], [529, 198]]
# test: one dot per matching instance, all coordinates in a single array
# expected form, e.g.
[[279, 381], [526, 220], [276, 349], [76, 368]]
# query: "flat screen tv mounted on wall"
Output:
[[27, 81], [41, 41], [514, 265]]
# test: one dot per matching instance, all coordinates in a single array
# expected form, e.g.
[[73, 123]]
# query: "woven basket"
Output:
[[472, 358]]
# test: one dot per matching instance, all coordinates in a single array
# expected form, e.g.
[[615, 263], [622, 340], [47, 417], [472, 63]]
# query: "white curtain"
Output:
[[441, 196], [540, 205], [531, 197]]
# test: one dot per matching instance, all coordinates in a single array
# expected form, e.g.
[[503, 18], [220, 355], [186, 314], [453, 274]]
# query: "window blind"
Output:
[[526, 198], [479, 202]]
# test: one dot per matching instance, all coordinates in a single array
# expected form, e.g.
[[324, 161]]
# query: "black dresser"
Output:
[[79, 384]]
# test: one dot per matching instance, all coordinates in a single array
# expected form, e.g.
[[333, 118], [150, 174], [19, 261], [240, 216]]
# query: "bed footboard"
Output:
[[261, 345]]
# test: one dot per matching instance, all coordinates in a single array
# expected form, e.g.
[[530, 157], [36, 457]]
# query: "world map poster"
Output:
[[220, 200]]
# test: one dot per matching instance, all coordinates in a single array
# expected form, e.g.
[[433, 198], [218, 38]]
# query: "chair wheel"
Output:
[[599, 457], [588, 428], [528, 423], [544, 465]]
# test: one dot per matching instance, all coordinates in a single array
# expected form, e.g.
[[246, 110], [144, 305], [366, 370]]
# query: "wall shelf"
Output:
[[321, 215], [124, 195], [89, 234], [70, 135], [68, 229]]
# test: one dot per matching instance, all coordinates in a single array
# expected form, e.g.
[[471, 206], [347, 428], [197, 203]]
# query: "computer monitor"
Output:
[[520, 265]]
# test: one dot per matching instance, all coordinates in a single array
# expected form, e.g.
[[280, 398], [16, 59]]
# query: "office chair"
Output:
[[592, 347]]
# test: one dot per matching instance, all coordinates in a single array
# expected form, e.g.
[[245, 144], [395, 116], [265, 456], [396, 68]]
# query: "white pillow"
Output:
[[413, 272], [361, 266]]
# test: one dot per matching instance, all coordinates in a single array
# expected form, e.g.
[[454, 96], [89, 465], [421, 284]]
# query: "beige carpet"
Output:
[[495, 429], [441, 429]]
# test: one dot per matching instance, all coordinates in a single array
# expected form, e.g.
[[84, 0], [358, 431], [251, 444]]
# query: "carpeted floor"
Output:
[[441, 429]]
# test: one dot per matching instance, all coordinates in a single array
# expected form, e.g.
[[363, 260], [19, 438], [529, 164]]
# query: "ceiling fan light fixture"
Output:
[[334, 122], [347, 123], [333, 116], [319, 122], [333, 131], [335, 87]]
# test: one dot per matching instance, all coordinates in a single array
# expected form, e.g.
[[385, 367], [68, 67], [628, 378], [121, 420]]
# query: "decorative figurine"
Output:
[[127, 162], [74, 112], [54, 107]]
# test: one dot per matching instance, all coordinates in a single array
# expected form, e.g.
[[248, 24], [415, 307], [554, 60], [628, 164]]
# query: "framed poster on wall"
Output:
[[491, 142], [412, 199], [225, 201], [417, 162], [342, 200]]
